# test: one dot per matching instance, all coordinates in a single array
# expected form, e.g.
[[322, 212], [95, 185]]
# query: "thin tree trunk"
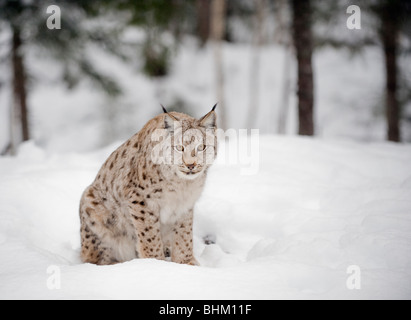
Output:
[[259, 20], [14, 123], [203, 18], [303, 45], [218, 13], [283, 37], [389, 38], [285, 92], [19, 86]]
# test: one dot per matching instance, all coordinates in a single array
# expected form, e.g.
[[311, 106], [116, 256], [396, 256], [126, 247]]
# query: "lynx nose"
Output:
[[191, 166]]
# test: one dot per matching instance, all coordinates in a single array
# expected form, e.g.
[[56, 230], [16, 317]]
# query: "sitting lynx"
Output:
[[141, 203]]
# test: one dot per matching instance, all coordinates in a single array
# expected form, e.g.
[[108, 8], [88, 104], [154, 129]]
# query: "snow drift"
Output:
[[292, 230]]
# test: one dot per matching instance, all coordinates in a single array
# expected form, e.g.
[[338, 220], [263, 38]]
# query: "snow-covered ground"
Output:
[[314, 209]]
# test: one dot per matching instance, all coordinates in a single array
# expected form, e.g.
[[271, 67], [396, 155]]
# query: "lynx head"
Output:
[[189, 145]]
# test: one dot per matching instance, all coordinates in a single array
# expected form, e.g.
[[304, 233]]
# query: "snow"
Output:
[[315, 208]]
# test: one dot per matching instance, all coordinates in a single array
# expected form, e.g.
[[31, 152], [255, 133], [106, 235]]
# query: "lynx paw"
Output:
[[190, 262], [193, 262]]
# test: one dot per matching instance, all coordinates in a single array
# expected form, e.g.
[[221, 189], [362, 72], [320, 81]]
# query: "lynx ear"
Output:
[[169, 120], [209, 121]]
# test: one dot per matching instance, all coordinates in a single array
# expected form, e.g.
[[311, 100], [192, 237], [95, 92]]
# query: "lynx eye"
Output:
[[179, 148], [201, 147]]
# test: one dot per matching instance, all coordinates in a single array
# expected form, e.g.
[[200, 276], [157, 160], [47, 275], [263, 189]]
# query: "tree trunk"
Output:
[[285, 92], [303, 47], [283, 37], [203, 19], [19, 87], [389, 35], [259, 20], [218, 14]]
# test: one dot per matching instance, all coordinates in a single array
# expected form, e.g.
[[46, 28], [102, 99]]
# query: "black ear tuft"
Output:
[[164, 109], [215, 106]]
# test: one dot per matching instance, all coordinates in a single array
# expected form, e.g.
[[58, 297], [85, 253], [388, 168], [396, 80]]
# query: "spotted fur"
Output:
[[139, 207]]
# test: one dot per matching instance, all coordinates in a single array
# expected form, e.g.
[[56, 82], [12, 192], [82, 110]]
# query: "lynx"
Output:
[[141, 203]]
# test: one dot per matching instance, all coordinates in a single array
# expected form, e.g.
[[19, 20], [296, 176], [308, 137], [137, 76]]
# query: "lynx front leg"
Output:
[[147, 224], [182, 251]]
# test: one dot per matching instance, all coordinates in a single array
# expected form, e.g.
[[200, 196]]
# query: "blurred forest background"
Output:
[[282, 66]]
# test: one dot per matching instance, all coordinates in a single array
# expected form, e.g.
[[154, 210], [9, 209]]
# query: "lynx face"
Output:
[[193, 152], [188, 146]]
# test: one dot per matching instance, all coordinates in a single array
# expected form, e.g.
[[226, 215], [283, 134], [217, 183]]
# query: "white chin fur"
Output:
[[183, 175]]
